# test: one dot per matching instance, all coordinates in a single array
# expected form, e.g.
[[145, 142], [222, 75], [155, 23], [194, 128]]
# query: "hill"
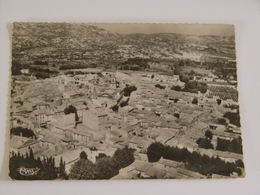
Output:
[[79, 43]]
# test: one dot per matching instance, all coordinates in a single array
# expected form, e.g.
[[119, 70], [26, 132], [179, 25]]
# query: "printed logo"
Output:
[[28, 171]]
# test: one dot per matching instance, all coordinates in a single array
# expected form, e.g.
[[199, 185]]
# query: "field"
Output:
[[223, 92]]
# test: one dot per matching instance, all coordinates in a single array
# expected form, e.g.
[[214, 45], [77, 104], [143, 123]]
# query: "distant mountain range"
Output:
[[43, 39]]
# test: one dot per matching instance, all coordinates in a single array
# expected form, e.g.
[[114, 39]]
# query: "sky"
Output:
[[151, 28], [192, 29]]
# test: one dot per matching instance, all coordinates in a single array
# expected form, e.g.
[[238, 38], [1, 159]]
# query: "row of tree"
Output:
[[79, 66], [194, 161], [38, 62], [42, 73], [22, 131], [135, 64], [235, 145], [47, 169], [105, 167]]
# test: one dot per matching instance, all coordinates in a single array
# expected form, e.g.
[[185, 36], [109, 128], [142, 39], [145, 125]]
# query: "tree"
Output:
[[21, 131], [202, 87], [128, 90], [47, 169], [40, 62], [184, 78], [160, 86], [61, 170], [115, 108], [232, 146], [123, 157], [205, 143], [181, 63], [82, 169], [194, 161], [83, 155], [124, 103], [105, 168], [209, 134], [177, 70], [192, 72], [240, 163], [219, 101], [16, 68], [195, 86], [222, 121], [31, 156], [71, 109], [176, 100], [155, 151], [195, 100], [234, 118], [176, 88], [177, 115]]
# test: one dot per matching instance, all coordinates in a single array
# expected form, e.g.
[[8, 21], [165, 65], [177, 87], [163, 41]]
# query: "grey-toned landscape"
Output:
[[124, 101]]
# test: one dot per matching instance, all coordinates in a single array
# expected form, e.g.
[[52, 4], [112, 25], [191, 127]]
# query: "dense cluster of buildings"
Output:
[[78, 117]]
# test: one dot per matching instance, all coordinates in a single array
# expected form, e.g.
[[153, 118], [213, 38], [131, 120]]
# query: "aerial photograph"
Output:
[[123, 101]]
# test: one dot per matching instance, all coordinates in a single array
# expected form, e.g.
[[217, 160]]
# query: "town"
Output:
[[124, 111]]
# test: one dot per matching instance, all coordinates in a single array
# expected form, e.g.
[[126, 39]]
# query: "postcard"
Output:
[[118, 101]]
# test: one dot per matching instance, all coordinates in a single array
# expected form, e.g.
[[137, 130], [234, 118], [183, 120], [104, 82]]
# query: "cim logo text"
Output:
[[28, 171]]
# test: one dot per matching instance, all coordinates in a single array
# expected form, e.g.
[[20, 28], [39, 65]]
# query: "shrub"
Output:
[[176, 88], [234, 118], [209, 134], [195, 100]]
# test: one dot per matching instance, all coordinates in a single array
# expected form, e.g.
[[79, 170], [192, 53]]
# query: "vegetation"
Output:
[[177, 115], [42, 73], [176, 88], [128, 90], [222, 121], [66, 67], [195, 100], [191, 85], [135, 64], [124, 103], [21, 131], [234, 118], [223, 93], [192, 72], [195, 86], [40, 62], [193, 160], [115, 108], [184, 78], [71, 109], [160, 86], [219, 101], [105, 168], [231, 146], [47, 169], [209, 134], [204, 143], [83, 155], [177, 70], [16, 68]]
